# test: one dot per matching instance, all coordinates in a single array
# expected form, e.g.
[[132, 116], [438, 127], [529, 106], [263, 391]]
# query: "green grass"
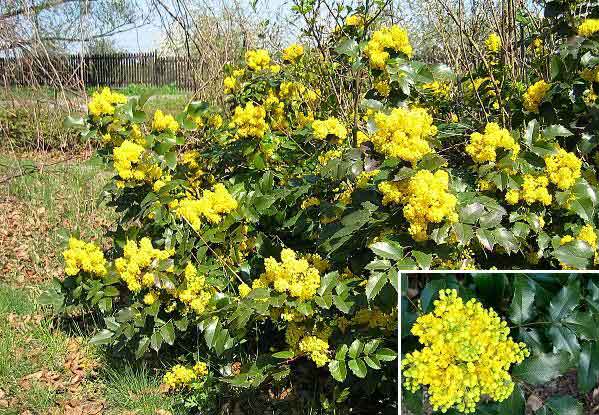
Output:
[[67, 195], [136, 389]]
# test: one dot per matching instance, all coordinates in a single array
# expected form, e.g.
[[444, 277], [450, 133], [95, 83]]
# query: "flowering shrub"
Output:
[[274, 228], [480, 343]]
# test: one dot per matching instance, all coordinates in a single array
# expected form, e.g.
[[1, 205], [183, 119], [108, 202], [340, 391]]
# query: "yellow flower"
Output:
[[534, 95], [135, 260], [131, 164], [329, 127], [164, 122], [512, 196], [426, 200], [105, 102], [293, 53], [534, 189], [250, 121], [150, 298], [258, 59], [180, 376], [404, 133], [197, 294], [467, 353], [438, 89], [212, 206], [82, 256], [356, 20], [316, 349], [563, 168], [309, 202], [588, 27], [392, 38], [292, 275], [493, 43], [482, 147], [244, 290]]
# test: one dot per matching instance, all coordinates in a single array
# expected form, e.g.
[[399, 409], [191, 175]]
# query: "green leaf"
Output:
[[542, 368], [286, 354], [171, 160], [577, 254], [156, 341], [588, 367], [103, 337], [168, 333], [338, 370], [515, 404], [74, 122], [388, 250], [385, 354], [373, 362], [563, 339], [561, 405], [557, 131], [356, 348], [583, 324], [358, 367], [423, 260], [565, 301], [522, 306], [375, 283], [142, 347]]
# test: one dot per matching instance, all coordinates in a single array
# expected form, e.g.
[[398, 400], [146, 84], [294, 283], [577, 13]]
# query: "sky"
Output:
[[148, 37]]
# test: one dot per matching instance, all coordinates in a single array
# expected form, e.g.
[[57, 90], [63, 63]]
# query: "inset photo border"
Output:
[[499, 343]]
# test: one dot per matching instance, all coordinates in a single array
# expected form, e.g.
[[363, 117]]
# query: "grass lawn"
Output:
[[47, 366]]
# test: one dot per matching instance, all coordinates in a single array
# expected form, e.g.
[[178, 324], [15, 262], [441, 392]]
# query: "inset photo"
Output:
[[498, 344]]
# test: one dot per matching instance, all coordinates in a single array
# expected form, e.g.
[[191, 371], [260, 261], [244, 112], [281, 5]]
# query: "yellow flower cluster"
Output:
[[364, 178], [563, 168], [212, 205], [196, 295], [356, 20], [316, 349], [296, 276], [393, 192], [534, 95], [493, 43], [403, 133], [438, 89], [467, 354], [82, 256], [180, 376], [258, 59], [324, 158], [534, 189], [314, 343], [244, 290], [104, 102], [588, 27], [392, 38], [428, 201], [250, 121], [134, 266], [589, 235], [329, 127], [231, 83], [483, 147], [164, 122], [293, 53], [130, 164]]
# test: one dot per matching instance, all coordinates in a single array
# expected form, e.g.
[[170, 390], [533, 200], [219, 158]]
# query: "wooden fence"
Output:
[[116, 70]]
